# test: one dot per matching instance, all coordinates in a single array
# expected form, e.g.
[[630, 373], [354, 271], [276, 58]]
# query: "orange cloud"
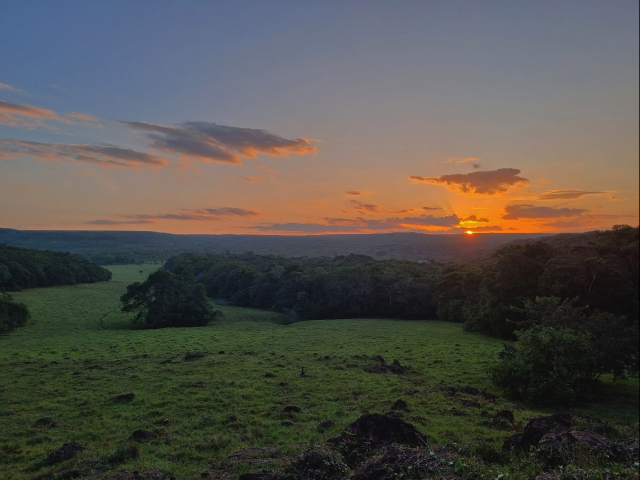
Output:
[[490, 182], [571, 194], [516, 212], [353, 192], [103, 155], [205, 214], [211, 142]]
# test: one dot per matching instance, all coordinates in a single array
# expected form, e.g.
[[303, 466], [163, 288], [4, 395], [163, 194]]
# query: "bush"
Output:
[[168, 300], [12, 314], [547, 366]]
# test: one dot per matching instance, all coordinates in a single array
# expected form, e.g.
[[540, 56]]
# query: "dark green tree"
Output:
[[168, 300], [12, 313]]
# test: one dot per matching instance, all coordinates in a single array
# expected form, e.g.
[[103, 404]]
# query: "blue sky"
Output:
[[383, 91]]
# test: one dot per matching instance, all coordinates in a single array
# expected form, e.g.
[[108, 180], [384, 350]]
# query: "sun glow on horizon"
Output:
[[469, 232]]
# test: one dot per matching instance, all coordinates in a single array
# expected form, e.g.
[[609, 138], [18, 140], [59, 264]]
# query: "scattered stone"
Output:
[[325, 424], [127, 397], [396, 462], [400, 405], [379, 358], [168, 360], [503, 419], [269, 375], [395, 367], [283, 384], [44, 422], [536, 429], [286, 424], [469, 390], [232, 418], [65, 452], [162, 422], [292, 408], [193, 356], [471, 403], [374, 431], [144, 435], [221, 352], [316, 464]]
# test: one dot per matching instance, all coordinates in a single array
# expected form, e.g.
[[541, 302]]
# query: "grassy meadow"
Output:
[[224, 412]]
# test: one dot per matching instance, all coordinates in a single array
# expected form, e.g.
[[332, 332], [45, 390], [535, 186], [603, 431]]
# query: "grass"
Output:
[[79, 352]]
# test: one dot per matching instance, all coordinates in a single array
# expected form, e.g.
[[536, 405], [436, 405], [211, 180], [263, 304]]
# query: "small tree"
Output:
[[168, 300], [547, 366], [12, 313]]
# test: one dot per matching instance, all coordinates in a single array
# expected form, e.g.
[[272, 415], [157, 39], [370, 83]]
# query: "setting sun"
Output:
[[469, 232]]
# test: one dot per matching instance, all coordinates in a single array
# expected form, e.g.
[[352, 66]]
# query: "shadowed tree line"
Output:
[[28, 268]]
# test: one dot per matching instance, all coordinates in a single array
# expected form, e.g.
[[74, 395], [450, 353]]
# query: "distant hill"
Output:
[[109, 247]]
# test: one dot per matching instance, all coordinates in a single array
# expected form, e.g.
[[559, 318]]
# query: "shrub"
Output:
[[168, 300], [12, 314], [547, 366]]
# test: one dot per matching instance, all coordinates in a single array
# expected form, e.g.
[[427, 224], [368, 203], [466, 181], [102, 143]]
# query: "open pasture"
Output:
[[79, 353]]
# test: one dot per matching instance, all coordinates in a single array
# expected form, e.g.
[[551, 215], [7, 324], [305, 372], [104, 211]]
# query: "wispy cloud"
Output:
[[103, 155], [366, 207], [516, 212], [27, 116], [4, 86], [211, 142], [461, 159], [490, 182], [354, 192], [432, 208], [205, 214], [363, 225], [571, 194], [118, 222], [475, 219]]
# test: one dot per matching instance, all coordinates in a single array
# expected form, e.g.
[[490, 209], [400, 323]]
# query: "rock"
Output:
[[379, 358], [471, 403], [395, 367], [536, 429], [127, 397], [221, 352], [377, 429], [286, 424], [65, 452], [469, 390], [396, 462], [400, 405], [44, 422], [193, 356], [316, 464], [505, 415], [144, 435], [325, 424], [292, 408]]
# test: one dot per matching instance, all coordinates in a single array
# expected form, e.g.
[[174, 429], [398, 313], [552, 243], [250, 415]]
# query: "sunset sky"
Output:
[[294, 117]]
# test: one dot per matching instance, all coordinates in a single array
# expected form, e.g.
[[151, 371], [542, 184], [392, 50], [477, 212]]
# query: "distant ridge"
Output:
[[109, 246]]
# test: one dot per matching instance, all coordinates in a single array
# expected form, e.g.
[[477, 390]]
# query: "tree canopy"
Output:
[[168, 300]]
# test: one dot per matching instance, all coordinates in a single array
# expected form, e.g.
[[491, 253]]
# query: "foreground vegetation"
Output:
[[223, 412]]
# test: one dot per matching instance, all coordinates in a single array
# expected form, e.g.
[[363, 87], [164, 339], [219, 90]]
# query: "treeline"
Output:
[[598, 270], [27, 268], [343, 287]]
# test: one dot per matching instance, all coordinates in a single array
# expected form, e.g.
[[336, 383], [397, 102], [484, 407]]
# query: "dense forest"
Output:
[[598, 270], [27, 268]]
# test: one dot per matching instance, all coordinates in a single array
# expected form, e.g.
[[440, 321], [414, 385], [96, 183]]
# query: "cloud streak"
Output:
[[571, 194], [449, 223], [103, 155], [211, 142], [517, 212], [489, 182], [27, 116]]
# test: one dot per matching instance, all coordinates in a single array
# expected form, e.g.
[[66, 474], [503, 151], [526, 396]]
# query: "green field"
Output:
[[79, 352]]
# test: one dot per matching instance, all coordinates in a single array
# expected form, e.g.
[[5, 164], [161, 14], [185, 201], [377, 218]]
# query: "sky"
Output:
[[289, 117]]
